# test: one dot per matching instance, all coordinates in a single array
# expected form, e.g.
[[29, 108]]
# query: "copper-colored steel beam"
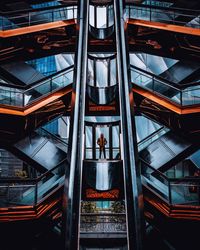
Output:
[[36, 28], [37, 105], [167, 104], [164, 26]]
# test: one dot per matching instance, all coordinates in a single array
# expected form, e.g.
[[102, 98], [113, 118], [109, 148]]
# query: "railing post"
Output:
[[170, 194], [23, 99], [153, 84], [51, 85], [132, 177], [29, 18], [150, 11], [8, 193], [36, 194], [10, 98], [181, 97], [2, 23]]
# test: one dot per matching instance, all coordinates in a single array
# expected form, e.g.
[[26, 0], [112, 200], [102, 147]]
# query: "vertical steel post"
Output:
[[133, 187], [75, 154]]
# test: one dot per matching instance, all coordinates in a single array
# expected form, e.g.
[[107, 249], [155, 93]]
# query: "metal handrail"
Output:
[[54, 136], [170, 180], [164, 8], [33, 180], [38, 82], [167, 82], [5, 13], [15, 19], [50, 87], [154, 169], [151, 135], [181, 90]]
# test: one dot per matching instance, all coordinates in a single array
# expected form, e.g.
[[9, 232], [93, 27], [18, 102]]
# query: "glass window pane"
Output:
[[90, 72], [115, 141], [88, 142], [113, 72], [110, 16], [102, 73], [91, 16], [101, 17]]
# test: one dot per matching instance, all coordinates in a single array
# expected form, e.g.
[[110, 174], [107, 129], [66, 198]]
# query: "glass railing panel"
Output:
[[166, 90], [144, 143], [48, 183], [155, 180], [38, 17], [17, 97], [46, 187], [165, 16], [4, 201], [194, 23], [35, 18], [19, 195], [185, 193], [180, 17], [88, 154], [4, 22], [11, 96], [115, 154], [25, 192], [62, 80], [48, 86], [191, 96], [156, 85], [56, 140], [141, 79], [38, 91], [107, 156], [139, 13]]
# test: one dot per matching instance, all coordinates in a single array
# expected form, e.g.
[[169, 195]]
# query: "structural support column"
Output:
[[72, 186], [133, 187]]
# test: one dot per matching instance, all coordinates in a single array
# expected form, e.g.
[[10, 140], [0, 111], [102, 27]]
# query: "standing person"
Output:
[[102, 143]]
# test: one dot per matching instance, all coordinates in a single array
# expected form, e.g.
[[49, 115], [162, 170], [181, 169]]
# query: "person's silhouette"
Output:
[[102, 143]]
